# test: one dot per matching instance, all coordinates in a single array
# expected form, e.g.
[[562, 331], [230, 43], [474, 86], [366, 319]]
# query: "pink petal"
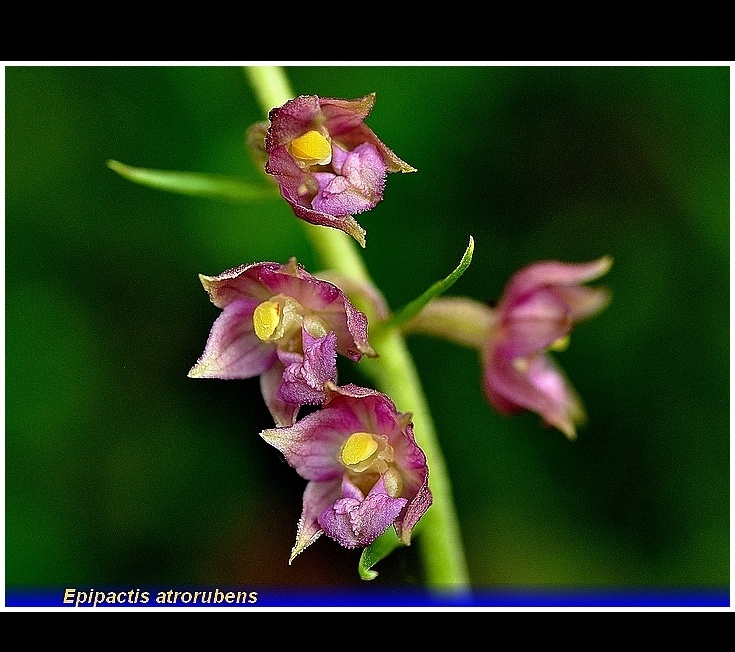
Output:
[[317, 497], [553, 273], [283, 412], [232, 349], [312, 445], [533, 323], [540, 387]]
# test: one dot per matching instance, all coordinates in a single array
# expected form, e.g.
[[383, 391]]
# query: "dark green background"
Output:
[[122, 471]]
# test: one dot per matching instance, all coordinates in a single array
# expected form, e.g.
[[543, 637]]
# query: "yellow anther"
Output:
[[358, 448], [311, 148], [266, 318], [559, 345]]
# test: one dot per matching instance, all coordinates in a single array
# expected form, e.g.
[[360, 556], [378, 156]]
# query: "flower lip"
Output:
[[356, 519]]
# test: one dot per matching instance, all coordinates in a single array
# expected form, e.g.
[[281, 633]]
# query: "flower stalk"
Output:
[[393, 372]]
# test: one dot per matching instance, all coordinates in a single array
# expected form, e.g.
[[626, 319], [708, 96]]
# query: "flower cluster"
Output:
[[364, 469]]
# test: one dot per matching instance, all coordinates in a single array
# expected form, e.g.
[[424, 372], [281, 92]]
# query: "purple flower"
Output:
[[283, 324], [329, 165], [539, 307], [364, 469]]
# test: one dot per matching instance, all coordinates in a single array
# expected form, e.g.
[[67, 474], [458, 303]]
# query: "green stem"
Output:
[[394, 373], [270, 85]]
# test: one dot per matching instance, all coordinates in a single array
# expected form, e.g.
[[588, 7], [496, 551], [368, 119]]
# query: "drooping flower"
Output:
[[328, 163], [365, 470], [536, 314], [285, 325], [538, 309]]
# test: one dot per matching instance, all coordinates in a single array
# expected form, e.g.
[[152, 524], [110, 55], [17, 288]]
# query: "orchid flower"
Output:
[[328, 164], [285, 325], [365, 470], [539, 307]]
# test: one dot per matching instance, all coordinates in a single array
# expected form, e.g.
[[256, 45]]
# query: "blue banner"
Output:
[[255, 597]]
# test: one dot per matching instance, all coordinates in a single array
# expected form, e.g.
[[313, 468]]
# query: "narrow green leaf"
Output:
[[415, 306], [194, 183], [379, 549]]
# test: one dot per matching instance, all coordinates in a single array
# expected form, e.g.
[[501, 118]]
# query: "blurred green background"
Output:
[[122, 471]]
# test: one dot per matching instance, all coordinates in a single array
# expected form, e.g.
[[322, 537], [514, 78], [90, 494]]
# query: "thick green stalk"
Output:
[[394, 373]]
